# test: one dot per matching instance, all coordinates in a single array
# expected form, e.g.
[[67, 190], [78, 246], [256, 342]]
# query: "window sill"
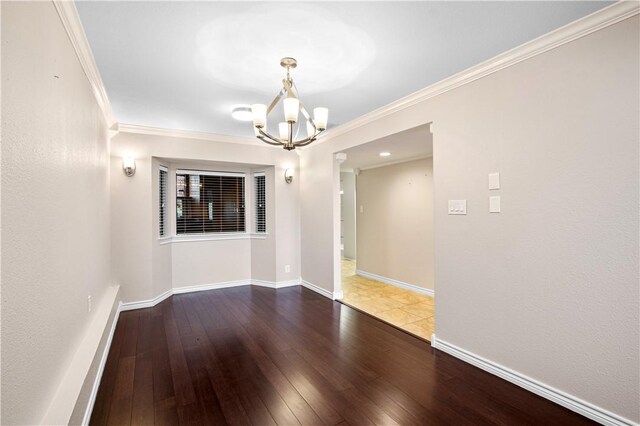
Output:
[[213, 237]]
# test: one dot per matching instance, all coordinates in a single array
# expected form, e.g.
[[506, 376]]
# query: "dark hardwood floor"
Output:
[[252, 355]]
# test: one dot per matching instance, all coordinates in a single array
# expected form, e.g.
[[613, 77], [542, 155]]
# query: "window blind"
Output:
[[209, 202], [260, 202], [162, 208]]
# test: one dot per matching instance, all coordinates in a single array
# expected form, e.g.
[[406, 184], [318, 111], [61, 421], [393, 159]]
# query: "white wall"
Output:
[[55, 238], [137, 251], [548, 287], [395, 227], [348, 213], [263, 263]]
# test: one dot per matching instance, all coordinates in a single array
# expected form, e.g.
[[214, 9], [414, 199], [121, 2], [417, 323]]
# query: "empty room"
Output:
[[304, 213]]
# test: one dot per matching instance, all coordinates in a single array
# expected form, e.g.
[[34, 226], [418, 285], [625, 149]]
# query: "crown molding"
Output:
[[187, 134], [596, 21], [73, 26]]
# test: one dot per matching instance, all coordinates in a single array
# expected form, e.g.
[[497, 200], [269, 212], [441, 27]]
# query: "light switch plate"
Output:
[[494, 180], [494, 204], [457, 207]]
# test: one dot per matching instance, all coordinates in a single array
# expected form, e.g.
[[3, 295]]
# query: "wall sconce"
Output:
[[288, 175], [129, 166]]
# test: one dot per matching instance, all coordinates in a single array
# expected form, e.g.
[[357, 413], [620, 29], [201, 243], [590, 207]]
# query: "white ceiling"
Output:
[[403, 146], [183, 65]]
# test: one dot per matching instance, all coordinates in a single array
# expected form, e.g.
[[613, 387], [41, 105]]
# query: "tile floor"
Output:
[[406, 309]]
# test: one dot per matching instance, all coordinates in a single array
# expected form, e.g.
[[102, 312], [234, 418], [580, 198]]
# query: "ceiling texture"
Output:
[[184, 65]]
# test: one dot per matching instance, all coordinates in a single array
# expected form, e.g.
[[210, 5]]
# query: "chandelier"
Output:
[[292, 107]]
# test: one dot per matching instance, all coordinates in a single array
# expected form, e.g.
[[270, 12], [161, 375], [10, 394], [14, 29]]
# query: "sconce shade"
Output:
[[129, 166], [321, 116], [291, 108], [259, 112], [288, 175]]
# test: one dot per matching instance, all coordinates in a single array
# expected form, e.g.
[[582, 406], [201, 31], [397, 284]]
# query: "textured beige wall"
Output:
[[395, 227], [549, 287], [137, 254], [348, 213], [55, 194]]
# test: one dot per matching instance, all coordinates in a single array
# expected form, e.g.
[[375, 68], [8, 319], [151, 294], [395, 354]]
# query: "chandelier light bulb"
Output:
[[320, 117], [291, 109], [259, 112], [284, 131]]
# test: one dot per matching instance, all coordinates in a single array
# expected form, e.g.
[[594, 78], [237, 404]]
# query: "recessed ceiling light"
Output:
[[385, 154], [242, 113]]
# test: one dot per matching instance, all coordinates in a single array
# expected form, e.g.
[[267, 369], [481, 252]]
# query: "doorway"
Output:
[[386, 230]]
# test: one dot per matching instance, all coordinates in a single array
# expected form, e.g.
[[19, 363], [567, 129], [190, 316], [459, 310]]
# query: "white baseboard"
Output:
[[70, 389], [395, 283], [103, 362], [212, 286], [276, 284], [322, 291], [149, 303], [571, 402]]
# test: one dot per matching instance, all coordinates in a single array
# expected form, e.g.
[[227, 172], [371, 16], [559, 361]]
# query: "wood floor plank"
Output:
[[142, 412], [254, 355]]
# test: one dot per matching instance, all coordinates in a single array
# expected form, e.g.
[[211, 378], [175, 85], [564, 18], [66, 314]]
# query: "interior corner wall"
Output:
[[161, 254], [287, 223], [56, 225], [348, 214], [548, 287], [138, 254], [395, 226], [263, 251]]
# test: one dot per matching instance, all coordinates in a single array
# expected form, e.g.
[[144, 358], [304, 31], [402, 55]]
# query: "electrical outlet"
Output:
[[287, 268], [88, 303]]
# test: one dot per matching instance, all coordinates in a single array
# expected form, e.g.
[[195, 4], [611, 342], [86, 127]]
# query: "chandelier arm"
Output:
[[307, 141], [276, 100], [308, 116], [266, 137]]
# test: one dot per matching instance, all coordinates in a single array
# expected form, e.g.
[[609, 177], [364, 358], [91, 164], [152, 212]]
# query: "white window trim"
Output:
[[209, 173], [253, 202], [165, 227], [213, 237]]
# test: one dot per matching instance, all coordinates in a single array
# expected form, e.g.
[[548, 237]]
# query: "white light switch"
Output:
[[494, 204], [361, 209], [457, 207], [494, 180]]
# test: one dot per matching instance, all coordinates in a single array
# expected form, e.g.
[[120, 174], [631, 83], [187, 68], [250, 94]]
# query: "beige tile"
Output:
[[411, 311], [427, 324], [418, 331], [407, 298], [420, 310], [397, 317]]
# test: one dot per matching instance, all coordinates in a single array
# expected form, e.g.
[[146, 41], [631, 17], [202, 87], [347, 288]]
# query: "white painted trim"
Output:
[[213, 237], [274, 284], [393, 163], [73, 26], [571, 402], [103, 362], [322, 291], [396, 283], [212, 286], [149, 303], [188, 134], [70, 387], [596, 21]]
